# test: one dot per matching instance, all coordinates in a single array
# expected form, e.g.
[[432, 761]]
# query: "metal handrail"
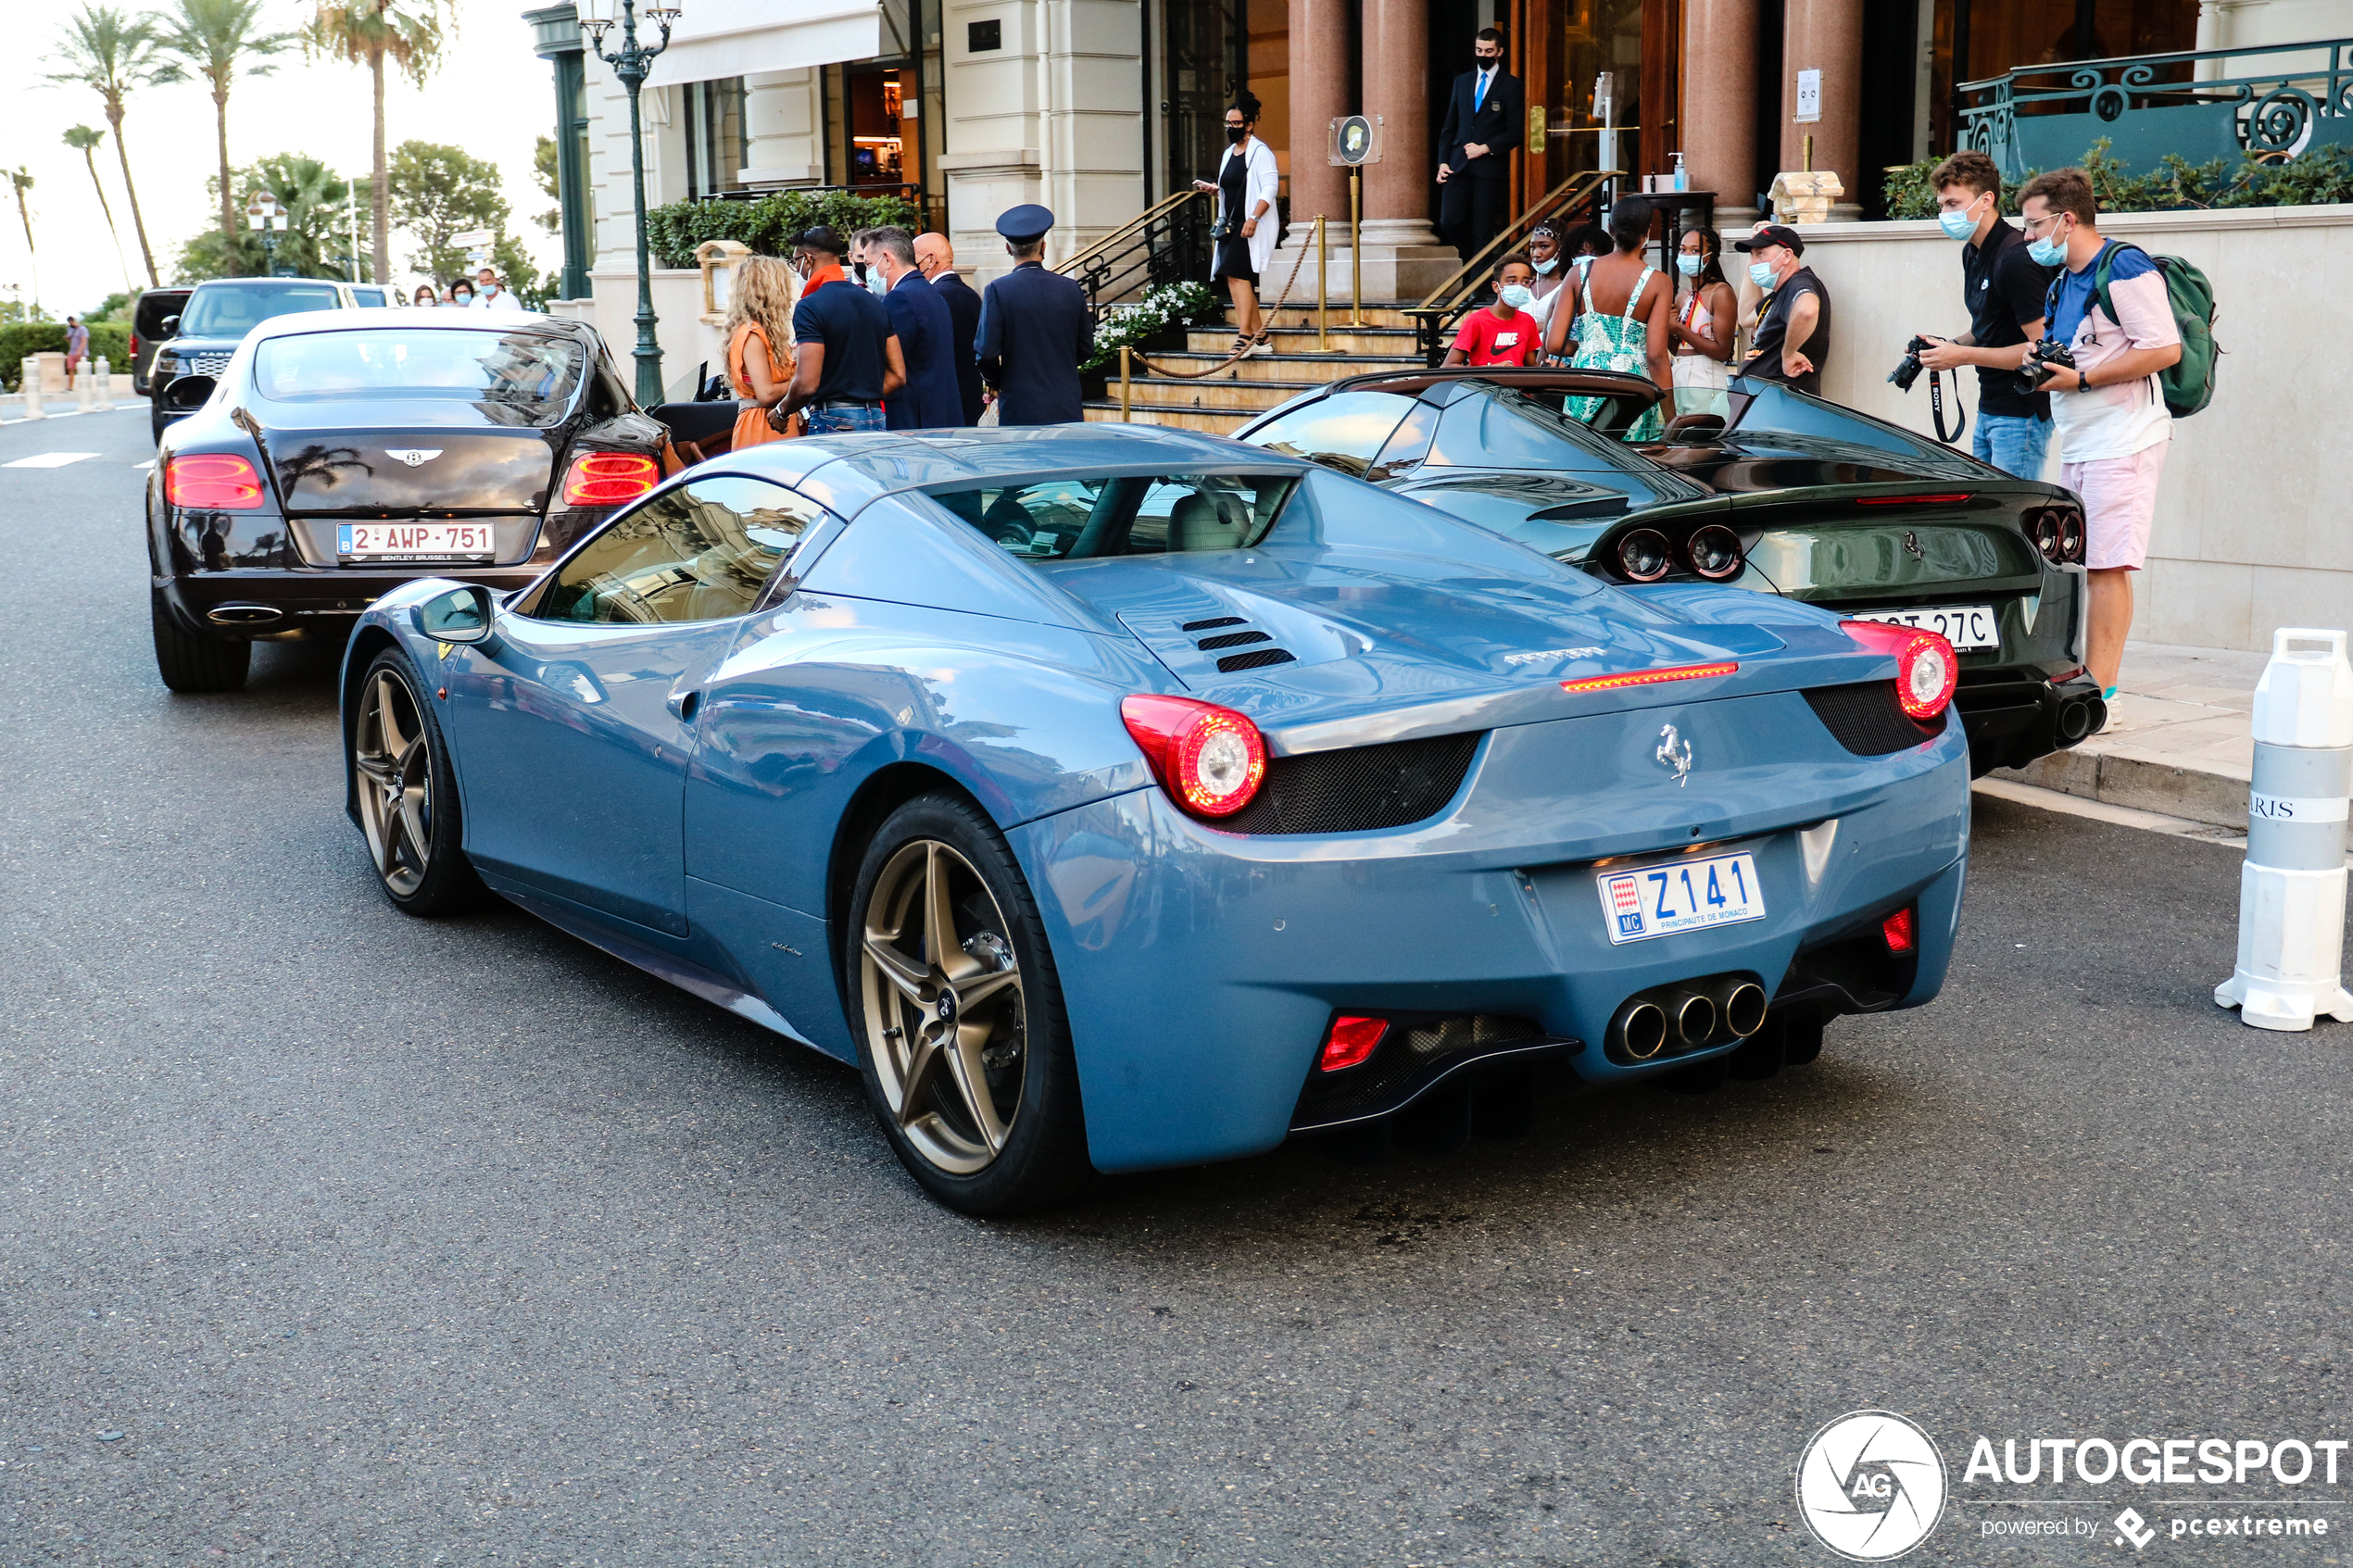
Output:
[[1128, 229], [1552, 199]]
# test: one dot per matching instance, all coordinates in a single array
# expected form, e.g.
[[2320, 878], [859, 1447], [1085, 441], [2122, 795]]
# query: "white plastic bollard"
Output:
[[104, 404], [2292, 888], [86, 385], [30, 384]]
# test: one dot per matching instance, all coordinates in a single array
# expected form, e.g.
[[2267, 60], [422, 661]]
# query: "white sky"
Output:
[[491, 97]]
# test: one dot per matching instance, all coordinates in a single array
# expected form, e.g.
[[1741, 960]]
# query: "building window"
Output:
[[885, 142], [717, 148]]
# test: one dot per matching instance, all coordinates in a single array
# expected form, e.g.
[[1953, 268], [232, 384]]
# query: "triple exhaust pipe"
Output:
[[1687, 1016]]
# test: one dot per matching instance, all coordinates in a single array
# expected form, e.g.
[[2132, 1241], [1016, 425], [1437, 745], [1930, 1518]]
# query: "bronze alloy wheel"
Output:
[[393, 754], [945, 1012]]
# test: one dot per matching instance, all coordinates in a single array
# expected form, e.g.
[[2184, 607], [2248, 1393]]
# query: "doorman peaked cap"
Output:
[[1026, 225]]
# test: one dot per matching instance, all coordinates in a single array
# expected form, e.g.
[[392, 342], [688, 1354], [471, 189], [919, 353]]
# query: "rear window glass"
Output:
[[234, 312], [1344, 431], [1082, 518], [1504, 430], [515, 377]]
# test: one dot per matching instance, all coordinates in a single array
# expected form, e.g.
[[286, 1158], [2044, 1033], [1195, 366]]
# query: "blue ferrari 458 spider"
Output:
[[1117, 797]]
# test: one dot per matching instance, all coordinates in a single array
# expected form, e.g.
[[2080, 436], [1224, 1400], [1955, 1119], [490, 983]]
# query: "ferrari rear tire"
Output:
[[958, 1013], [199, 664], [408, 794]]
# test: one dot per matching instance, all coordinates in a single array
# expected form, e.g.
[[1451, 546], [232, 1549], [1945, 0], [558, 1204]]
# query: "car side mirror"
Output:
[[168, 327], [461, 615]]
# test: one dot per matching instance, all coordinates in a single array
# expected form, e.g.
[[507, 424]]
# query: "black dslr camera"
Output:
[[1908, 369], [2049, 355]]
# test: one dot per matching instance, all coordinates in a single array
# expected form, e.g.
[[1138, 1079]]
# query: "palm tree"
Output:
[[22, 177], [215, 39], [409, 36], [103, 50], [83, 140]]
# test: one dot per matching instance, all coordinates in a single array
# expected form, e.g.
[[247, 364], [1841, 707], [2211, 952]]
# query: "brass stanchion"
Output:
[[1356, 246], [1126, 395], [1323, 279]]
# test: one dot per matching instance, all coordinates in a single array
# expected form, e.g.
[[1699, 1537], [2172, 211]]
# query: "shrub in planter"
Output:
[[1156, 322], [768, 225]]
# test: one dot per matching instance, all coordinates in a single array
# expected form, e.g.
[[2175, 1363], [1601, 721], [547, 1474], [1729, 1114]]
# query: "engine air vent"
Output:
[[1210, 625], [1232, 640], [1256, 658], [1358, 788], [1867, 720]]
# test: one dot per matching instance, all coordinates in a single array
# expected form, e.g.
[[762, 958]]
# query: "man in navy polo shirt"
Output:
[[846, 361]]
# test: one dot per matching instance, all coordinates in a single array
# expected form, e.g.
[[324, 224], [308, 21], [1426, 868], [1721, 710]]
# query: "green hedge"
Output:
[[2321, 176], [110, 340], [767, 225]]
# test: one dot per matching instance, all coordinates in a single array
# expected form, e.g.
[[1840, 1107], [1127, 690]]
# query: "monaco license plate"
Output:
[[1684, 896], [415, 541], [1964, 626]]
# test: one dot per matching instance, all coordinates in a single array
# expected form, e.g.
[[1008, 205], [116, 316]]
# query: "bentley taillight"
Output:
[[608, 479], [1209, 760], [1926, 667], [212, 482]]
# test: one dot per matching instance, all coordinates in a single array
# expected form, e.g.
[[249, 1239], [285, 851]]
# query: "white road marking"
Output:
[[142, 467], [48, 461]]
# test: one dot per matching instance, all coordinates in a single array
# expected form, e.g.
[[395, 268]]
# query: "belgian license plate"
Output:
[[415, 541], [1964, 626], [1683, 896]]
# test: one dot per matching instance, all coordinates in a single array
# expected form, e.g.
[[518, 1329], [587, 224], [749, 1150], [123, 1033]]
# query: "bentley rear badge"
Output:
[[1674, 753], [412, 455]]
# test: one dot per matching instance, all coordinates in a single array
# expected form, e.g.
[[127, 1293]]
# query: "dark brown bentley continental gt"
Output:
[[342, 452]]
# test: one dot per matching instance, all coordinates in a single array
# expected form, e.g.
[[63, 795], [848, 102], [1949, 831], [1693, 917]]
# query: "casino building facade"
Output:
[[1098, 107]]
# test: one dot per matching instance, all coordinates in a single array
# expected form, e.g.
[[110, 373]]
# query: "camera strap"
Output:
[[1936, 406]]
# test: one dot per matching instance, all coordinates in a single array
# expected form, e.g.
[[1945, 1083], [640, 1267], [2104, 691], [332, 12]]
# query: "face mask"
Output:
[[1516, 295], [1690, 265], [877, 284], [2047, 253], [1545, 269], [1235, 134], [1761, 274], [1958, 225]]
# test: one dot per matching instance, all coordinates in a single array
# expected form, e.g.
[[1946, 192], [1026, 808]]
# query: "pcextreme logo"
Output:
[[1870, 1486]]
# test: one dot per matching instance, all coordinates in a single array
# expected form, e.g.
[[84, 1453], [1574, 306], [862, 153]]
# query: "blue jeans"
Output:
[[840, 419], [2012, 443]]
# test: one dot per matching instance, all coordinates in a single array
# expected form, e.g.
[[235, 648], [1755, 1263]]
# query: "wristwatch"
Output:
[[2083, 382]]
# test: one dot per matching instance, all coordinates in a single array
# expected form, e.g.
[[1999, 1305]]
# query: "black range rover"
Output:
[[351, 451]]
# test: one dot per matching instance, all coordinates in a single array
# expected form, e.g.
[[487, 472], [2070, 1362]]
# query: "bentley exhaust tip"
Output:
[[244, 615], [1640, 1029], [1744, 1006], [1694, 1017]]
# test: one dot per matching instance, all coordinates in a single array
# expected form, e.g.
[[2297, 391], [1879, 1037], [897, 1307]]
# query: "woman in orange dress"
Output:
[[760, 356]]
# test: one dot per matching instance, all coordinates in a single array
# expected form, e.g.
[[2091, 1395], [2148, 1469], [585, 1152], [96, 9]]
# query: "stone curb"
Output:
[[2119, 778]]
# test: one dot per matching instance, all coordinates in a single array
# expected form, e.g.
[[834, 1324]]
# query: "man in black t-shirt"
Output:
[[846, 360], [1792, 341], [2003, 290]]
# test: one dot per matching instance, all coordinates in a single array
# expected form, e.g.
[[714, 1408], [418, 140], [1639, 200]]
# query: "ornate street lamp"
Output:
[[266, 217], [631, 63]]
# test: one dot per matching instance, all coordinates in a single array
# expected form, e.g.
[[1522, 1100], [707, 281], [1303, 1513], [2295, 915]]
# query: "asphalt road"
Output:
[[331, 1237]]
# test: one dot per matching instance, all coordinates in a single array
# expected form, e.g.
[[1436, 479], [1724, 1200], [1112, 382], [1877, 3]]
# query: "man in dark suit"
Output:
[[1034, 331], [1485, 117], [926, 337], [936, 260]]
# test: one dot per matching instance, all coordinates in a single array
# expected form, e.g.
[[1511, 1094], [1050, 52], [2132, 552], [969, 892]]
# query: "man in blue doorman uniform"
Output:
[[1035, 329]]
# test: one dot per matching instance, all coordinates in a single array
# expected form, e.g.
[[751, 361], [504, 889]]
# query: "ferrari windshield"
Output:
[[236, 310], [525, 376], [1079, 519]]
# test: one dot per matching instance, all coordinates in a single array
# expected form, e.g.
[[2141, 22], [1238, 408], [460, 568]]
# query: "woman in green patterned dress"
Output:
[[1622, 317]]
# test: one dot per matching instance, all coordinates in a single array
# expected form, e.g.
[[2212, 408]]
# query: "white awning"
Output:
[[715, 39]]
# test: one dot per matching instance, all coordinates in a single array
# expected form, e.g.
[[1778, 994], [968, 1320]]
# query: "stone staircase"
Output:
[[1224, 402]]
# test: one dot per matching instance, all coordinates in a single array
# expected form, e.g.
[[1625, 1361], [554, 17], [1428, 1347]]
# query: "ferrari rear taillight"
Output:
[[212, 482], [1349, 1042], [1209, 760], [608, 479], [1926, 667], [1900, 931]]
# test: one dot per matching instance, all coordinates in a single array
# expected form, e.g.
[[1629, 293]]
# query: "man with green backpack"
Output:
[[2115, 311]]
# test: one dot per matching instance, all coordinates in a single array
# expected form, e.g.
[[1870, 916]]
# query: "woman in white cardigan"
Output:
[[1246, 222]]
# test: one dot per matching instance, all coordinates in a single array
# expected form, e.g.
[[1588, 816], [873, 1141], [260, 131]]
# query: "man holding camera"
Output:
[[2113, 425], [2002, 288]]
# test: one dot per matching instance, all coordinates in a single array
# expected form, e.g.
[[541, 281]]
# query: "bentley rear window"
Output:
[[520, 378], [1081, 519]]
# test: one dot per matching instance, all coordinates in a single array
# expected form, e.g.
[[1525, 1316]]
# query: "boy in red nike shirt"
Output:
[[1504, 333]]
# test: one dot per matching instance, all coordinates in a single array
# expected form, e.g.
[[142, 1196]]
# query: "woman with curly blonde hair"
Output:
[[760, 356]]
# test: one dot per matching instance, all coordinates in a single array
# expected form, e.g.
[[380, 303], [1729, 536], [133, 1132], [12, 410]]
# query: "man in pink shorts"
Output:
[[2112, 423]]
